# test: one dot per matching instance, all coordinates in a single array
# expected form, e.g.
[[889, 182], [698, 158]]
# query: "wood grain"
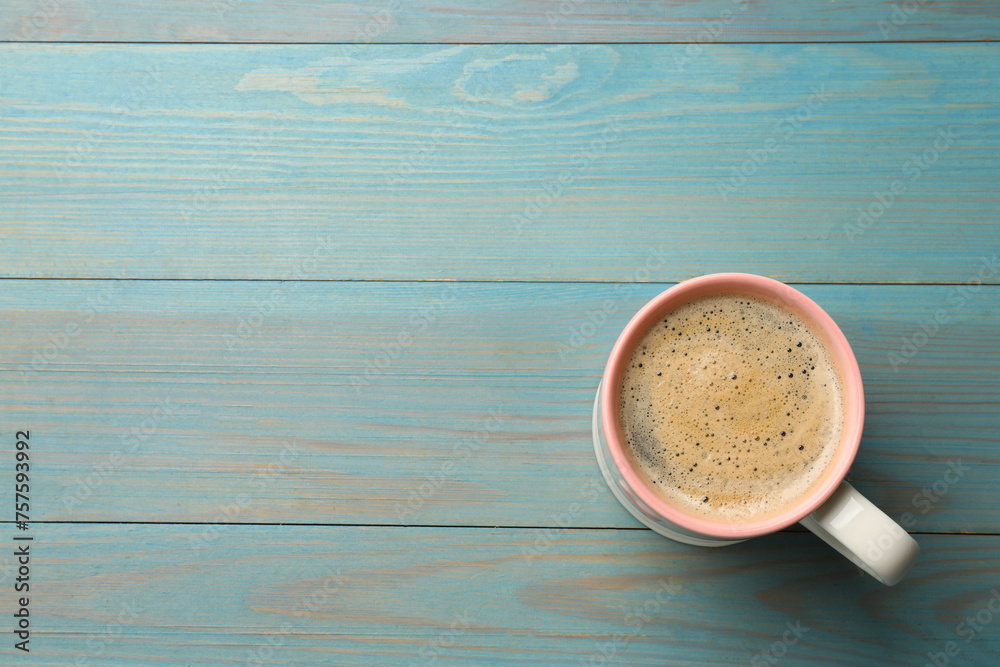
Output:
[[548, 163], [497, 21], [424, 403], [307, 337], [141, 595]]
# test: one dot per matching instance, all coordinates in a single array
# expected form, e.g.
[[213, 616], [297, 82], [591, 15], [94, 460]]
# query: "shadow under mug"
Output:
[[832, 508]]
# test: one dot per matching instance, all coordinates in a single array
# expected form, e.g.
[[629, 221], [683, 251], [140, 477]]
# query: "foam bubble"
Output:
[[732, 408]]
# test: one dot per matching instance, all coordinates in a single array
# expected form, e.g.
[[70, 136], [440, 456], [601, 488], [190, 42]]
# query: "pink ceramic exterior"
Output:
[[629, 478]]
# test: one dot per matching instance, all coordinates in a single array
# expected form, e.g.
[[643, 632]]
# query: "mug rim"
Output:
[[814, 316]]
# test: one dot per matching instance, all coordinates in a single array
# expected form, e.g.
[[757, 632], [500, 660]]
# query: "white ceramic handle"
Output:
[[852, 525]]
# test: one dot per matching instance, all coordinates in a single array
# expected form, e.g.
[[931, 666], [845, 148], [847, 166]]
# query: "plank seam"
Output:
[[425, 526], [463, 43], [467, 281]]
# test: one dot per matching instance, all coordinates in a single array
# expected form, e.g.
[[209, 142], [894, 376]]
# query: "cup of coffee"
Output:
[[731, 407]]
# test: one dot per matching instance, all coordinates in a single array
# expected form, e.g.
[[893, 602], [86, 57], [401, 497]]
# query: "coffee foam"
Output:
[[732, 408]]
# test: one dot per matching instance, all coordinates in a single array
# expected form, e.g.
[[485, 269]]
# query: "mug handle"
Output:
[[852, 525]]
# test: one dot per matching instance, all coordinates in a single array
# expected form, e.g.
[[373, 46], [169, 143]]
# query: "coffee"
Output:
[[732, 408]]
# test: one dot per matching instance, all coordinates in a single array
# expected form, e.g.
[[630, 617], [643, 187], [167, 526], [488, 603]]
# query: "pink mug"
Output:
[[832, 509]]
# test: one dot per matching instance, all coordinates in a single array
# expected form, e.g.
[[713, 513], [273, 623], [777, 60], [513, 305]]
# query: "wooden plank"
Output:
[[569, 163], [139, 595], [504, 21], [424, 403]]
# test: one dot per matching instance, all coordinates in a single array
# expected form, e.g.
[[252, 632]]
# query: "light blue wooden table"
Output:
[[304, 306]]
